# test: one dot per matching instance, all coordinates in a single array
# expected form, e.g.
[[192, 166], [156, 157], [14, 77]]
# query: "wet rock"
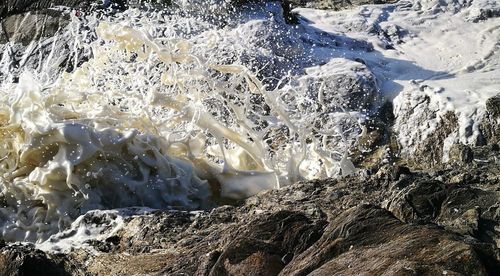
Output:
[[467, 223], [376, 144], [420, 200], [482, 10], [261, 246], [336, 4], [428, 225], [493, 106], [429, 152], [466, 203], [21, 6], [27, 27], [428, 138], [268, 40], [460, 153], [370, 240], [3, 37], [474, 212], [341, 84], [26, 260], [490, 125]]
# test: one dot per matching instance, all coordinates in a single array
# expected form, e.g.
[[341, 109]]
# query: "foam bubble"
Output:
[[150, 119]]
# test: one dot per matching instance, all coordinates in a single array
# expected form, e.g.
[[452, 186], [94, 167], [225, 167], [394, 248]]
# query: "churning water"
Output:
[[164, 109]]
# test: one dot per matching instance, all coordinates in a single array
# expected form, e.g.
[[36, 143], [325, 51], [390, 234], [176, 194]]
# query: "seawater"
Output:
[[138, 109]]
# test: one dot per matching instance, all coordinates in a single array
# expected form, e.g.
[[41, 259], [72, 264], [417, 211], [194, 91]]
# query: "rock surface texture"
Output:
[[11, 7], [392, 222]]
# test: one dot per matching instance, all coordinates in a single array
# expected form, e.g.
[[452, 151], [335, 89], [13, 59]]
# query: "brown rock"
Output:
[[420, 200], [369, 240]]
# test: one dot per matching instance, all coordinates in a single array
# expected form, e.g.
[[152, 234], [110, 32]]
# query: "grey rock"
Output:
[[490, 123], [27, 27], [336, 4], [11, 7]]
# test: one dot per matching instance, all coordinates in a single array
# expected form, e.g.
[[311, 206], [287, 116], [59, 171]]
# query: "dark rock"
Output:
[[474, 212], [26, 260], [369, 240], [431, 224], [259, 247], [461, 154], [493, 106], [419, 201]]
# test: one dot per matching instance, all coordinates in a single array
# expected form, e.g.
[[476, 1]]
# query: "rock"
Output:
[[25, 260], [468, 207], [376, 144], [429, 151], [261, 245], [419, 201], [21, 6], [493, 106], [27, 27], [370, 240], [461, 154], [490, 125], [428, 225], [472, 211], [336, 4], [435, 139], [268, 40], [482, 10], [344, 84], [467, 223]]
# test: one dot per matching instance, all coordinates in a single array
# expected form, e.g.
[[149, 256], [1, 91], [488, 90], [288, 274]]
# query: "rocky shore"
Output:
[[414, 213], [395, 221]]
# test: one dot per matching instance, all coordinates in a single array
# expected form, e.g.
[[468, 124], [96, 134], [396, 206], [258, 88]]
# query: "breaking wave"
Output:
[[158, 109]]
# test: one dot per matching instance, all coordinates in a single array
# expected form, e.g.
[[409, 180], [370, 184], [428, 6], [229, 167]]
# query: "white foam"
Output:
[[149, 120], [440, 54], [167, 103]]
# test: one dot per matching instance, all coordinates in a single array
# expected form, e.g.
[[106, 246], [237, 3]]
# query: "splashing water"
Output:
[[136, 109]]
